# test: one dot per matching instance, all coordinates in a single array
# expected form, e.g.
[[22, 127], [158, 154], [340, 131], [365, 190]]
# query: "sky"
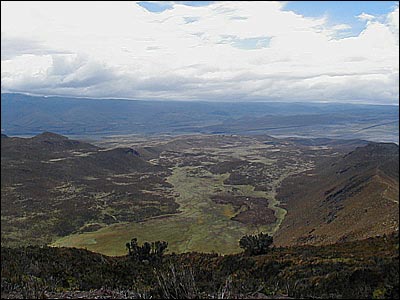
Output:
[[322, 51]]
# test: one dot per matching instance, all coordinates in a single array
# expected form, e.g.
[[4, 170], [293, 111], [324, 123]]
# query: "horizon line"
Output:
[[198, 100]]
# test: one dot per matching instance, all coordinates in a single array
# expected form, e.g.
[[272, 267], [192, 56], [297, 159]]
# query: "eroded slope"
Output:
[[348, 198]]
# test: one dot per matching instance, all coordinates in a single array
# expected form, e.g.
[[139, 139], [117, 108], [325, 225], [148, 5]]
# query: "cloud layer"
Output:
[[230, 51]]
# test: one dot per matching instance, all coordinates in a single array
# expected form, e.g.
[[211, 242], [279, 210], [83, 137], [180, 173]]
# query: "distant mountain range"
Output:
[[30, 115]]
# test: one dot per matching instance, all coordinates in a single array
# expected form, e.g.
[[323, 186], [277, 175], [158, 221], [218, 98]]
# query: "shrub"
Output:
[[152, 252], [256, 244]]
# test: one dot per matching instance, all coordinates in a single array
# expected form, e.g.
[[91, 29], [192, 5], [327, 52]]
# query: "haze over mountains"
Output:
[[30, 115]]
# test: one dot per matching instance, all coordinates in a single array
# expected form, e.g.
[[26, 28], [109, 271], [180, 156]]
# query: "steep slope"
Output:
[[350, 198]]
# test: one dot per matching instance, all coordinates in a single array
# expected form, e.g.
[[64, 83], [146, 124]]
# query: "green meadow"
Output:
[[198, 226]]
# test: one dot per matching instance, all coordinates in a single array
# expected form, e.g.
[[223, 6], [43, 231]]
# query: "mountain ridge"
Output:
[[31, 115], [343, 199]]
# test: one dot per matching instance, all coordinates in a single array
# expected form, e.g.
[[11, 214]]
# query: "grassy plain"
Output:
[[198, 227]]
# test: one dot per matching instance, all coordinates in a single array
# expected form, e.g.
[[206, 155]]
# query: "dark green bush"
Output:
[[256, 244]]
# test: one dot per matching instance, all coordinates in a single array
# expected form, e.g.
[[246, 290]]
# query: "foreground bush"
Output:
[[256, 244]]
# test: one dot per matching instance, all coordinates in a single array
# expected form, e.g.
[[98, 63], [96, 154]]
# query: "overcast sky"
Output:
[[229, 51]]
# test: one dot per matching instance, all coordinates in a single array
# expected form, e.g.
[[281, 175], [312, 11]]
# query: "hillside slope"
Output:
[[350, 198], [367, 269], [52, 186]]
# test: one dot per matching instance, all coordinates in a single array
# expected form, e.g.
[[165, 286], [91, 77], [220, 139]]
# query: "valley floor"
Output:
[[204, 171]]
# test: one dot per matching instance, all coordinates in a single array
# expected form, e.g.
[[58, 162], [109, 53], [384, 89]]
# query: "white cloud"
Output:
[[393, 22], [365, 17], [341, 27], [223, 51]]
